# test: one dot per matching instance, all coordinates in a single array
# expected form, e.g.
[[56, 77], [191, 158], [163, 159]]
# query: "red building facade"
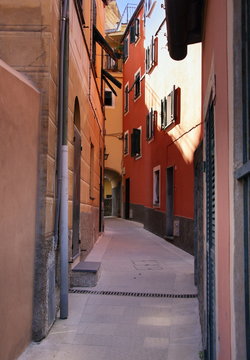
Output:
[[162, 129]]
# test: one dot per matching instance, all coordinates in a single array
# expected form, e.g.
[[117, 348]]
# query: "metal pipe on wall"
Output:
[[63, 161]]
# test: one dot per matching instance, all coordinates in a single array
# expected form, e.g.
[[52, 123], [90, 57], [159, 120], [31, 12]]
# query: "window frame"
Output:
[[169, 109], [136, 155], [150, 125], [157, 204], [125, 57], [112, 99], [126, 143], [137, 76], [126, 98]]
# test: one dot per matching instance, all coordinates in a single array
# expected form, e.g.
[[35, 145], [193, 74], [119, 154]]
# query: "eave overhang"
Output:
[[184, 25], [103, 43]]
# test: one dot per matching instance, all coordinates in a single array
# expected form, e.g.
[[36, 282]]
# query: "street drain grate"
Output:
[[134, 294]]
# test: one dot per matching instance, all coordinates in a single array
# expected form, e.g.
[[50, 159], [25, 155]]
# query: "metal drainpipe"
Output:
[[62, 214]]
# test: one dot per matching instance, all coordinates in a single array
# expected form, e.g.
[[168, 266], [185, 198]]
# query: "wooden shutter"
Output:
[[147, 126], [173, 112], [210, 234], [137, 29], [132, 34], [125, 50]]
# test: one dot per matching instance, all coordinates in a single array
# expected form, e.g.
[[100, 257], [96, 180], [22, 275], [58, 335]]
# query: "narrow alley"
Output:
[[117, 320]]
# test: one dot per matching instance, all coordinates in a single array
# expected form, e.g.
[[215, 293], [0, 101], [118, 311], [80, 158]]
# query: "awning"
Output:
[[184, 25], [103, 43]]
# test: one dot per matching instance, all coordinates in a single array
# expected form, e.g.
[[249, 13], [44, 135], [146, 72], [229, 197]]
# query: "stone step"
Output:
[[85, 274]]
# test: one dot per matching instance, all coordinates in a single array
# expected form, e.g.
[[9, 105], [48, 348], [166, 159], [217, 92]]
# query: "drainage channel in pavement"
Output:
[[134, 294]]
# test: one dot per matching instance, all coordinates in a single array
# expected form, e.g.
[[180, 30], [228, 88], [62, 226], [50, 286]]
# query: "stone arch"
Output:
[[112, 196]]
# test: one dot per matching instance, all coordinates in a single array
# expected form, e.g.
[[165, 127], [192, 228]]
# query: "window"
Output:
[[137, 29], [137, 85], [125, 143], [134, 31], [152, 55], [150, 121], [108, 98], [91, 180], [168, 110], [156, 186], [110, 64], [126, 98], [125, 49], [136, 143]]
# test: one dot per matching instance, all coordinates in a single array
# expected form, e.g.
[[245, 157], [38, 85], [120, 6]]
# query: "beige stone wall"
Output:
[[85, 87], [29, 42], [19, 124]]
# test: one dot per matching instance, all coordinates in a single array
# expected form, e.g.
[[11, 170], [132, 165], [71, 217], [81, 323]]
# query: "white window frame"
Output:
[[112, 97], [138, 72], [156, 169], [127, 39], [126, 136], [139, 156], [126, 110]]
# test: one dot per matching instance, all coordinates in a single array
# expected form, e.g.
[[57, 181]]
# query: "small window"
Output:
[[137, 29], [126, 99], [136, 143], [150, 121], [108, 99], [110, 63], [156, 186], [134, 32], [125, 143], [137, 85], [152, 54], [125, 49], [168, 109]]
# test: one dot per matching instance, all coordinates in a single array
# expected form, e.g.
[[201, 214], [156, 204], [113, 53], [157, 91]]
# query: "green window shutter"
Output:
[[147, 126], [132, 34]]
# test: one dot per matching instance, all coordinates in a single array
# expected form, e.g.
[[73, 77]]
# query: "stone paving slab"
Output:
[[111, 327]]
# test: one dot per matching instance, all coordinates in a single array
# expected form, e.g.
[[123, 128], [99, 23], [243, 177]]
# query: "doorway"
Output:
[[127, 198], [170, 202]]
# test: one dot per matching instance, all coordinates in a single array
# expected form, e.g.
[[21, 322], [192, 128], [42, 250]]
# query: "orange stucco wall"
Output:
[[215, 63], [19, 120]]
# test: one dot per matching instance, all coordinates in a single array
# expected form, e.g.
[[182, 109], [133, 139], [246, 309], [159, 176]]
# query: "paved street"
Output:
[[119, 325]]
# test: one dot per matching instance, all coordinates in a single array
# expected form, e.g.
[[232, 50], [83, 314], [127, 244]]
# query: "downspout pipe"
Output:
[[63, 160]]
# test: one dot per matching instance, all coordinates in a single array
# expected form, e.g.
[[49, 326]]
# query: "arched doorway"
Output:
[[76, 180], [112, 193]]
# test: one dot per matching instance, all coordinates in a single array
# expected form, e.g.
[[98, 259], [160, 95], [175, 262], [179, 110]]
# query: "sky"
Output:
[[122, 4]]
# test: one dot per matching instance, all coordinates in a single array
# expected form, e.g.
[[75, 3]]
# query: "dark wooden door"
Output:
[[170, 202], [127, 198]]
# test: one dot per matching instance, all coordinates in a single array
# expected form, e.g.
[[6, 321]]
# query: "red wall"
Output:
[[161, 151]]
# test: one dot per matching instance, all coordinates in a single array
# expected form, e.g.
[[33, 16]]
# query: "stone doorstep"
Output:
[[85, 274]]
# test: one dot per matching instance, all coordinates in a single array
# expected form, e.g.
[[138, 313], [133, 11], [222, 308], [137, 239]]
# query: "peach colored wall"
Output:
[[19, 121], [215, 51], [113, 125]]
